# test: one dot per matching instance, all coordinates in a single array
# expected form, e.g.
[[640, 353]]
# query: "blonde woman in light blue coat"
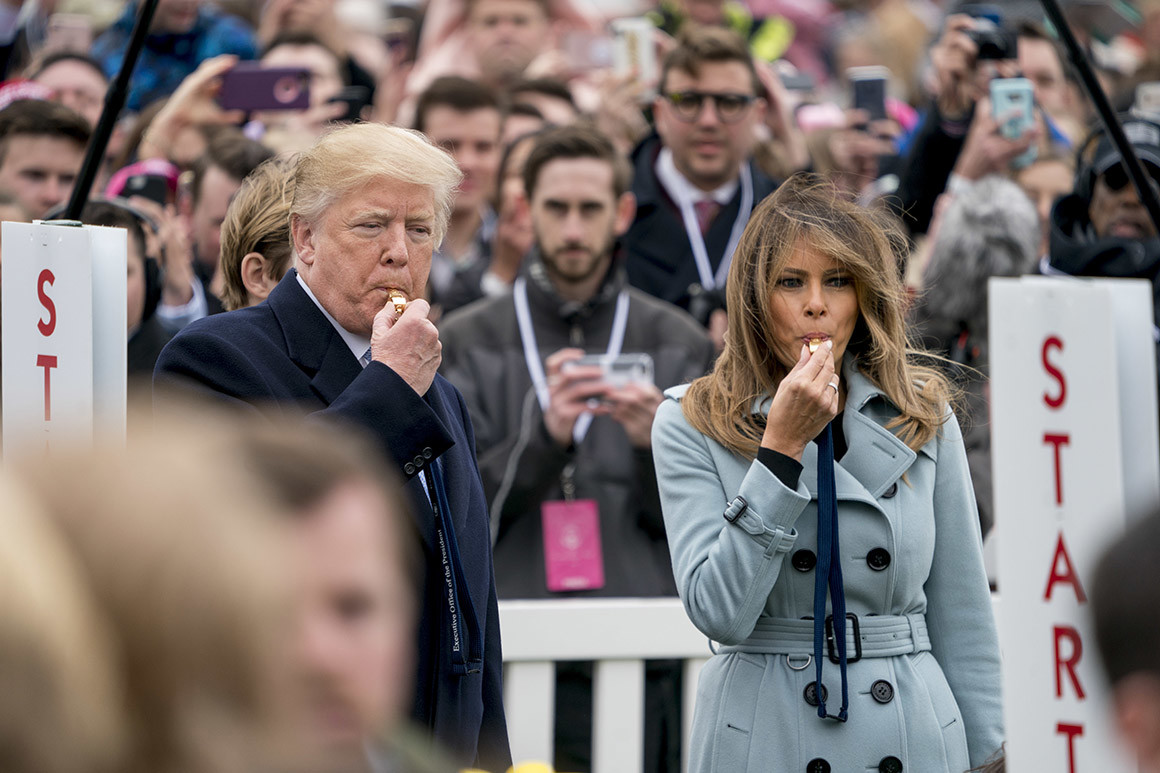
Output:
[[816, 369]]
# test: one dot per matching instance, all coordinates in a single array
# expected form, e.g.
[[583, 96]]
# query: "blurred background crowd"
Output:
[[700, 108]]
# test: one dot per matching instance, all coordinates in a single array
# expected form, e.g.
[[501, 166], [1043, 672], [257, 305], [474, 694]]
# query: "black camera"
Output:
[[995, 43]]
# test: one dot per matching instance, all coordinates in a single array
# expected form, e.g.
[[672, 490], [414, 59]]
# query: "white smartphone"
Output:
[[620, 370]]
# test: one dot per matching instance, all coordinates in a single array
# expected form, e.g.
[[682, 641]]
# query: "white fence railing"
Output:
[[619, 634]]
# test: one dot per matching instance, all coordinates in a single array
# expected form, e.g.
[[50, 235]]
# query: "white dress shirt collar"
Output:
[[357, 344], [677, 184]]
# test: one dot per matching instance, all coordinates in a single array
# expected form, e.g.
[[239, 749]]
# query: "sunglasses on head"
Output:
[[730, 107]]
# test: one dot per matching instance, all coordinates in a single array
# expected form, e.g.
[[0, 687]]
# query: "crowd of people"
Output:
[[436, 304]]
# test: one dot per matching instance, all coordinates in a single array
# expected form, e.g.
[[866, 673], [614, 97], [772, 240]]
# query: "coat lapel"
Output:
[[311, 341]]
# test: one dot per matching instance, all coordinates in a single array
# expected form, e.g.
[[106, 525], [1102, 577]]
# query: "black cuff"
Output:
[[787, 469]]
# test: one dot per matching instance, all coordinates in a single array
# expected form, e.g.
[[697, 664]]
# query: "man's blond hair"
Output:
[[357, 154], [258, 220]]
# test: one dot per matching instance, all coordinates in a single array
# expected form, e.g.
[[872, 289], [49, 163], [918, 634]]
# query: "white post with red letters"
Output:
[[63, 289], [1074, 456]]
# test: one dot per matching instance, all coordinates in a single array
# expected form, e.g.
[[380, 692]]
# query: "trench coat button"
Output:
[[409, 468], [882, 691], [811, 693], [428, 453], [817, 765], [804, 560], [890, 492], [878, 559], [890, 765]]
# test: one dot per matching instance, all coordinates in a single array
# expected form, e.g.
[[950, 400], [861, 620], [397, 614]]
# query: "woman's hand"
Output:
[[804, 403]]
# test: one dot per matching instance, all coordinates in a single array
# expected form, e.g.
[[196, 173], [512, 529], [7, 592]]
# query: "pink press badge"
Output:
[[573, 558]]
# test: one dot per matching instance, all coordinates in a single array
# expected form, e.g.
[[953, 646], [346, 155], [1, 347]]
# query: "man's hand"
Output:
[[635, 405], [803, 404], [409, 345], [569, 392], [953, 58], [986, 151]]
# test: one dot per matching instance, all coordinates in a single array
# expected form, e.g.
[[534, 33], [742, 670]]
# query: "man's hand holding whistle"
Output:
[[406, 341]]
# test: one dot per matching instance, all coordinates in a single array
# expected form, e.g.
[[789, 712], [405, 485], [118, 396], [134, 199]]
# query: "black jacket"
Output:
[[660, 261], [483, 356]]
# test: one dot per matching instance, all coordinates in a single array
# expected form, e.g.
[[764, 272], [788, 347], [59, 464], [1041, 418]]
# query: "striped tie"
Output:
[[366, 358]]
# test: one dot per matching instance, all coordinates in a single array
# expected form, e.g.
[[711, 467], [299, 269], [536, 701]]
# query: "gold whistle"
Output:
[[396, 297], [814, 344]]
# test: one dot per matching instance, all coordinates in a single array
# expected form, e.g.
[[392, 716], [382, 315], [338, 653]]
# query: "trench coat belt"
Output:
[[881, 636]]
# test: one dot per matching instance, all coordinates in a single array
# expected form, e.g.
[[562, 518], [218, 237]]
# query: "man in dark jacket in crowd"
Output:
[[563, 450], [1102, 229], [695, 182]]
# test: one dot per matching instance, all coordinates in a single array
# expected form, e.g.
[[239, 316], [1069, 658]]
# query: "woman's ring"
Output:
[[833, 384]]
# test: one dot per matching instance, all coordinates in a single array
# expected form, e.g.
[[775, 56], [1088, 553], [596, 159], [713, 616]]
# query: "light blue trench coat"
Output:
[[926, 693]]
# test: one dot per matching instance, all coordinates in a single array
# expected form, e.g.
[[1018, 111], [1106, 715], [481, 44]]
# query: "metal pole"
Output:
[[114, 101], [1107, 115]]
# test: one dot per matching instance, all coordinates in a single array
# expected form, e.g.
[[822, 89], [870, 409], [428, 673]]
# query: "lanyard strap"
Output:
[[697, 239], [464, 622], [829, 573], [532, 353]]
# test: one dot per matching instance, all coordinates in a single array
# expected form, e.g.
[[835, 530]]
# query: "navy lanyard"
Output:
[[829, 573], [464, 622]]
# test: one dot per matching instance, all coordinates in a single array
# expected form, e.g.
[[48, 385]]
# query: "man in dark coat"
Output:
[[695, 182], [540, 442], [370, 204]]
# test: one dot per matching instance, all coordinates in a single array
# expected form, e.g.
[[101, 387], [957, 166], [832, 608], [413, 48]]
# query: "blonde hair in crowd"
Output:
[[357, 154], [60, 702], [258, 220], [805, 212], [193, 581]]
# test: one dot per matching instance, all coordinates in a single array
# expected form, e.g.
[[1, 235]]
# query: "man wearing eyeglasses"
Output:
[[694, 181]]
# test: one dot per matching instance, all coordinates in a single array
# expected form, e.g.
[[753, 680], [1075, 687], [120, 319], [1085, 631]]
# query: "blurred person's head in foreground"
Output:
[[255, 235], [1125, 592], [42, 146], [357, 557], [506, 35], [194, 584], [60, 692], [707, 106]]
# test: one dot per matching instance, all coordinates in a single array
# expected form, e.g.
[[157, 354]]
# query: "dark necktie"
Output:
[[706, 210], [829, 573]]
